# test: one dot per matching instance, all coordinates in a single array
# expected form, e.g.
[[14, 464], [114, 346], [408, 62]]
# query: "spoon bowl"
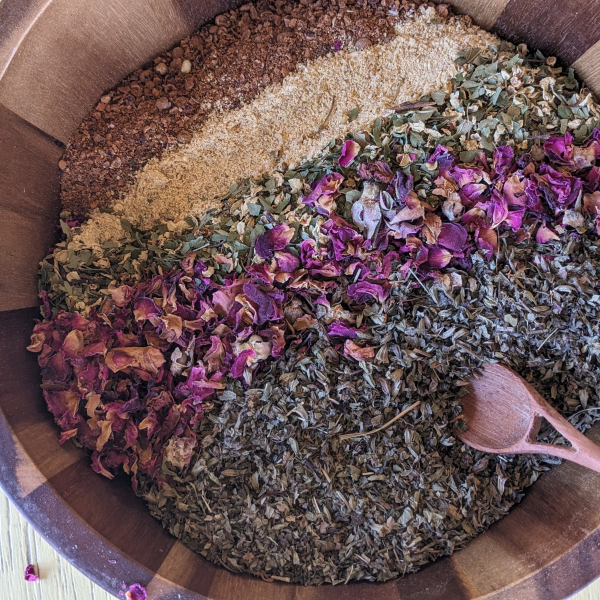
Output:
[[497, 409], [504, 413]]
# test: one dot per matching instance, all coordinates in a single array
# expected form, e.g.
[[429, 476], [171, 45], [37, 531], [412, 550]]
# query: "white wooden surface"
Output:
[[20, 545]]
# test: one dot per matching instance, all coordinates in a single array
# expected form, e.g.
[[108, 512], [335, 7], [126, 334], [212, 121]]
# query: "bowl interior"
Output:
[[56, 58]]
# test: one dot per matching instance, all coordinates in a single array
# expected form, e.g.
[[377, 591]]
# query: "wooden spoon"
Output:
[[504, 416]]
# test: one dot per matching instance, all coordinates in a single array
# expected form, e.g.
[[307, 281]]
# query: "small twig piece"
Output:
[[250, 252], [412, 105], [549, 336], [467, 349], [347, 436], [400, 84], [429, 292], [325, 121]]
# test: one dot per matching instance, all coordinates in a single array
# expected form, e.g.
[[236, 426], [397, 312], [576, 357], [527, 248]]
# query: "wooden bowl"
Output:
[[56, 58]]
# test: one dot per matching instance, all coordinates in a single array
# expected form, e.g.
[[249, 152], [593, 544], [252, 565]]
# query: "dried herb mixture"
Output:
[[225, 367]]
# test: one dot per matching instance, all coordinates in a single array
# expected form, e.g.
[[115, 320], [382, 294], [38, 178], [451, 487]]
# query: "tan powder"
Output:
[[288, 122]]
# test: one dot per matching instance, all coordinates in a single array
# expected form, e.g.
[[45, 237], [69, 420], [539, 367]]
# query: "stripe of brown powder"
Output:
[[232, 60]]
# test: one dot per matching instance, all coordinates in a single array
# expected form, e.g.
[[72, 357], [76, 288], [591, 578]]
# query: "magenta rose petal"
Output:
[[30, 574], [350, 151], [438, 257], [452, 236], [559, 149], [136, 592], [337, 328], [273, 239]]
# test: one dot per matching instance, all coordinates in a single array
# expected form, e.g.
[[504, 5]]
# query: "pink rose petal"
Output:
[[355, 351], [545, 234], [30, 574], [350, 151]]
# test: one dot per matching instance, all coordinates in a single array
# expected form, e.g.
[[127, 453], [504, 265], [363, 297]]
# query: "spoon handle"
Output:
[[583, 451]]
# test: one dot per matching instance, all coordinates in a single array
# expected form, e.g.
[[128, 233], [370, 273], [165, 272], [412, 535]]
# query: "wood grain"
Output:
[[21, 545], [483, 12], [30, 206], [566, 29], [588, 67], [16, 18]]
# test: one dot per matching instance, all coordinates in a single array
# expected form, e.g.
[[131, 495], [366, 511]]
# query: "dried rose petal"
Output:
[[122, 295], [287, 262], [136, 592], [471, 192], [67, 435], [453, 207], [276, 336], [413, 210], [30, 574], [178, 452], [350, 151], [327, 186], [73, 344], [465, 176], [304, 323], [591, 203], [573, 219], [474, 217], [267, 301], [146, 358], [357, 352], [262, 271], [440, 151], [244, 359], [584, 157], [343, 237], [515, 219], [273, 239], [591, 181], [378, 170], [215, 356], [438, 257], [486, 239], [37, 342], [498, 209], [362, 292], [503, 161], [452, 236], [224, 298], [431, 228], [559, 149], [144, 308], [559, 190], [337, 328], [545, 234], [514, 190], [400, 186]]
